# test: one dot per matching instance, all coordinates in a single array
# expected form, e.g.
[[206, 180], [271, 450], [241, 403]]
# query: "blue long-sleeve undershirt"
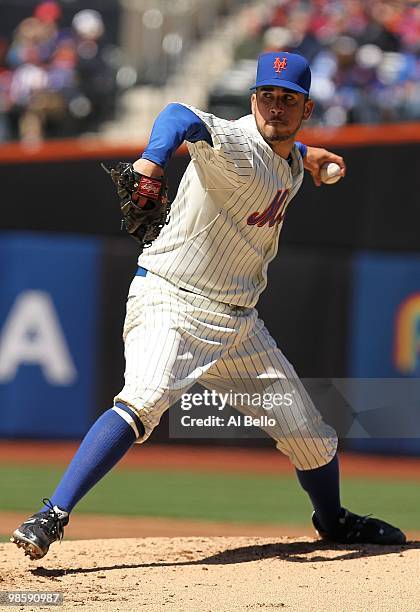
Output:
[[175, 124]]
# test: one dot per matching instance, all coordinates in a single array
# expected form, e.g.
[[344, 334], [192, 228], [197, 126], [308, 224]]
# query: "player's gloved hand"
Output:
[[316, 157], [143, 202]]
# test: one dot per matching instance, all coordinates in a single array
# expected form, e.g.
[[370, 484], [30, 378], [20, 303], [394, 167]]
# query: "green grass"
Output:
[[217, 497]]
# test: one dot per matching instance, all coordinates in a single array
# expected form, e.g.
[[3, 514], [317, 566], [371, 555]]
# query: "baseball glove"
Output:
[[143, 201]]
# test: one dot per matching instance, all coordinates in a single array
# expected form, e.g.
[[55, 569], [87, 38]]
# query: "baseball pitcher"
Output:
[[191, 309]]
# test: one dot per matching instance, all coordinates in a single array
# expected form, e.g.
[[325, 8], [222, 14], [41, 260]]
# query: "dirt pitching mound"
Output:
[[194, 574]]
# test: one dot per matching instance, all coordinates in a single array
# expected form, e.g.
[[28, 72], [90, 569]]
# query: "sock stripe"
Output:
[[127, 418], [130, 417]]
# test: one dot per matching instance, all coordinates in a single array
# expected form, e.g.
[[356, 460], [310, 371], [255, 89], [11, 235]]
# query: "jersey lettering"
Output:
[[273, 214]]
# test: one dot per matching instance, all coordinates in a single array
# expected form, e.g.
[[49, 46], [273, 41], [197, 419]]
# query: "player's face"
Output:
[[279, 113]]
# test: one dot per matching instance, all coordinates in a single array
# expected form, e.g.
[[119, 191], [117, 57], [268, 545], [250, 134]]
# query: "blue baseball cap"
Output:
[[283, 69]]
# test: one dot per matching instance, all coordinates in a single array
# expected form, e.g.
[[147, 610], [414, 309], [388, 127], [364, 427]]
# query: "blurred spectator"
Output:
[[34, 102], [95, 70], [365, 57]]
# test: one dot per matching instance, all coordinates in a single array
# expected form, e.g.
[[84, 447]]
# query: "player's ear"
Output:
[[309, 107], [253, 102]]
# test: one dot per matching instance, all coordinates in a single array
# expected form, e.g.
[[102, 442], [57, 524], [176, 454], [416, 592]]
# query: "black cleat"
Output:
[[40, 530], [354, 529]]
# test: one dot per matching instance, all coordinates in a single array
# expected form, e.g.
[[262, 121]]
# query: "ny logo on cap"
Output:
[[280, 64]]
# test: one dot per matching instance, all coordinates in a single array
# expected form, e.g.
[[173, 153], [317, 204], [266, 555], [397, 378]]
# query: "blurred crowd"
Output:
[[364, 54], [56, 80], [63, 81]]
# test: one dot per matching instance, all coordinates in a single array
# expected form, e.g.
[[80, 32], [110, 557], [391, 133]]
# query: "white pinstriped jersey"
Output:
[[227, 215]]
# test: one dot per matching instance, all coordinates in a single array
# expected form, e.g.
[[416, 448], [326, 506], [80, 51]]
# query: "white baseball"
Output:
[[330, 173]]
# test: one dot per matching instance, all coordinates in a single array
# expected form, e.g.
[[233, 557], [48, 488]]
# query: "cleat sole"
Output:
[[31, 549]]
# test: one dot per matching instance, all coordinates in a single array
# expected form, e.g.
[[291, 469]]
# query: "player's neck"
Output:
[[283, 149]]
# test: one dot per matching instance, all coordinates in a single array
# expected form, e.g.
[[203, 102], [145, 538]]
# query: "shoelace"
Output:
[[360, 520], [57, 524]]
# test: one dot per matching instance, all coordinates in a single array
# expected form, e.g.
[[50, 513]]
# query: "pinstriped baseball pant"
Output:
[[174, 338]]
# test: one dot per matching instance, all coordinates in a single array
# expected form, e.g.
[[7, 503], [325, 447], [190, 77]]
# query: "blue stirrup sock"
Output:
[[323, 487], [104, 445]]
